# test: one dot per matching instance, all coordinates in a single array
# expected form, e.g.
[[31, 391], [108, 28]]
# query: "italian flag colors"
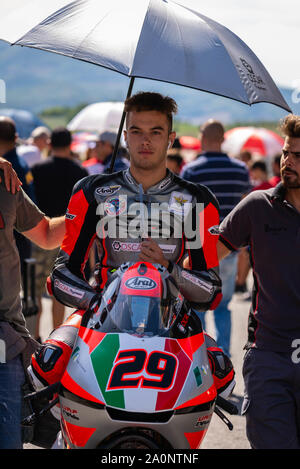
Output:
[[137, 374], [140, 374]]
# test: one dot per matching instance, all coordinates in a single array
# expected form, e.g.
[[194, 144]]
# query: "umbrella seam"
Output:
[[140, 34], [205, 18]]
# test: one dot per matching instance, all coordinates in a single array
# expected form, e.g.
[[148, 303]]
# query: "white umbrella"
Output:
[[156, 39], [97, 117], [258, 140]]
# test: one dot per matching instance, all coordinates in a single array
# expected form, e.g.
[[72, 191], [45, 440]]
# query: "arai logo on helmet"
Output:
[[140, 283]]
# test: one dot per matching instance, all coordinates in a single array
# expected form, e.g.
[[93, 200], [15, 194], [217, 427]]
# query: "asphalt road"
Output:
[[218, 435]]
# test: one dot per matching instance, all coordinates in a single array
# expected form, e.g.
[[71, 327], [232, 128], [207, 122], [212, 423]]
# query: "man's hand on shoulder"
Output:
[[12, 182]]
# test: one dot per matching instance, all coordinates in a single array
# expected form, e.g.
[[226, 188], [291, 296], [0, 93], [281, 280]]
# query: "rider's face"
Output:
[[147, 135]]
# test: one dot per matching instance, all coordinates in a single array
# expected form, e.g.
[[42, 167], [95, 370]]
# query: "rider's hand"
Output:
[[151, 252], [12, 182]]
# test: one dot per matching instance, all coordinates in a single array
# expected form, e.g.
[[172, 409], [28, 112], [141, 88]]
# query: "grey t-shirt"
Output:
[[16, 212], [270, 226]]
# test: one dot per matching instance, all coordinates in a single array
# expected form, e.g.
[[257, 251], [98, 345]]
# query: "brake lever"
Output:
[[47, 392], [223, 418], [228, 407]]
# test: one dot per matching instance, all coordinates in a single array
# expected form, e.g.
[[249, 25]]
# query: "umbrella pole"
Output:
[[114, 155]]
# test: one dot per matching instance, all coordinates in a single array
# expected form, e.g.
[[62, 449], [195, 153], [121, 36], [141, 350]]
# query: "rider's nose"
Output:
[[145, 140]]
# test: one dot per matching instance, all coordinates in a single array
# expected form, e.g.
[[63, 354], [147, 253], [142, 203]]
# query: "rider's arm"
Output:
[[67, 280], [201, 284]]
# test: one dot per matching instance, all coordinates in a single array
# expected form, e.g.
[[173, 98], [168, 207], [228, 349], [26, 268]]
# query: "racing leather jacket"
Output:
[[112, 210]]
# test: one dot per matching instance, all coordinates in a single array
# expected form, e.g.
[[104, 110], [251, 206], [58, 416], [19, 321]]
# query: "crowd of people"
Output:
[[258, 213]]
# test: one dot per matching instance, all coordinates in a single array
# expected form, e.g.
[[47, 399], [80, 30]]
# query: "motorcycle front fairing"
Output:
[[139, 361]]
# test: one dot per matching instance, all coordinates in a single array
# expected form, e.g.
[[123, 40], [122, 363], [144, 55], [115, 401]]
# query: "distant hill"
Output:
[[36, 80]]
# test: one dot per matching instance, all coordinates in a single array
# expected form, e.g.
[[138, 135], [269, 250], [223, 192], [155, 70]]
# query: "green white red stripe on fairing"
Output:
[[79, 377], [139, 374], [117, 351]]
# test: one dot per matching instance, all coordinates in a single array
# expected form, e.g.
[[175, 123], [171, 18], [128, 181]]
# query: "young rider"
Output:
[[105, 207]]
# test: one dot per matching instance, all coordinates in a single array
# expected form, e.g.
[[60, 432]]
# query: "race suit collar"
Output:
[[158, 187]]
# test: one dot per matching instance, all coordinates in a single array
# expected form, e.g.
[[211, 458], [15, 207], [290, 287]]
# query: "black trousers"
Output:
[[272, 400]]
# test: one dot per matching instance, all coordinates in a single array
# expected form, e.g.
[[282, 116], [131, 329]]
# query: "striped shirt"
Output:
[[227, 178]]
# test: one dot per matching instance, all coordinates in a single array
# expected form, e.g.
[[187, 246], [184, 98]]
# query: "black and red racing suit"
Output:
[[181, 216], [107, 209]]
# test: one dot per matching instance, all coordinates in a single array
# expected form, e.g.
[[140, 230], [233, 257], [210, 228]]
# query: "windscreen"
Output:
[[136, 304], [137, 301], [134, 314]]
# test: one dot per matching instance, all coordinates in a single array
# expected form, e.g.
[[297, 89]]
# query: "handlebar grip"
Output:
[[44, 392]]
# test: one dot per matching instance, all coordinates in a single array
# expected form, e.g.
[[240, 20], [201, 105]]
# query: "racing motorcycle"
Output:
[[139, 375]]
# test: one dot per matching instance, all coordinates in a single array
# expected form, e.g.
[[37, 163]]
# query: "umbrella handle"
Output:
[[114, 155]]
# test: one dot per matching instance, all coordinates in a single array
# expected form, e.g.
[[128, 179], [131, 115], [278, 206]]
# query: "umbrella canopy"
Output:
[[154, 39], [25, 121], [97, 118], [257, 140]]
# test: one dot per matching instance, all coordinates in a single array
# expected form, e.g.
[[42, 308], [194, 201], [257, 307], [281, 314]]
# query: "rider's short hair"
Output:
[[149, 101]]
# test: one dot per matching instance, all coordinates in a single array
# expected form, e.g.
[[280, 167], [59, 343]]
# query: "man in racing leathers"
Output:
[[144, 213]]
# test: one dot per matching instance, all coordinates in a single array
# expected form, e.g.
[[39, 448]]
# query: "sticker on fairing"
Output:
[[140, 375], [141, 283]]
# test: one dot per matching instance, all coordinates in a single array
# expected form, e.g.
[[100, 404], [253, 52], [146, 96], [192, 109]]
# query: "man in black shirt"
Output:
[[269, 222], [54, 180]]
